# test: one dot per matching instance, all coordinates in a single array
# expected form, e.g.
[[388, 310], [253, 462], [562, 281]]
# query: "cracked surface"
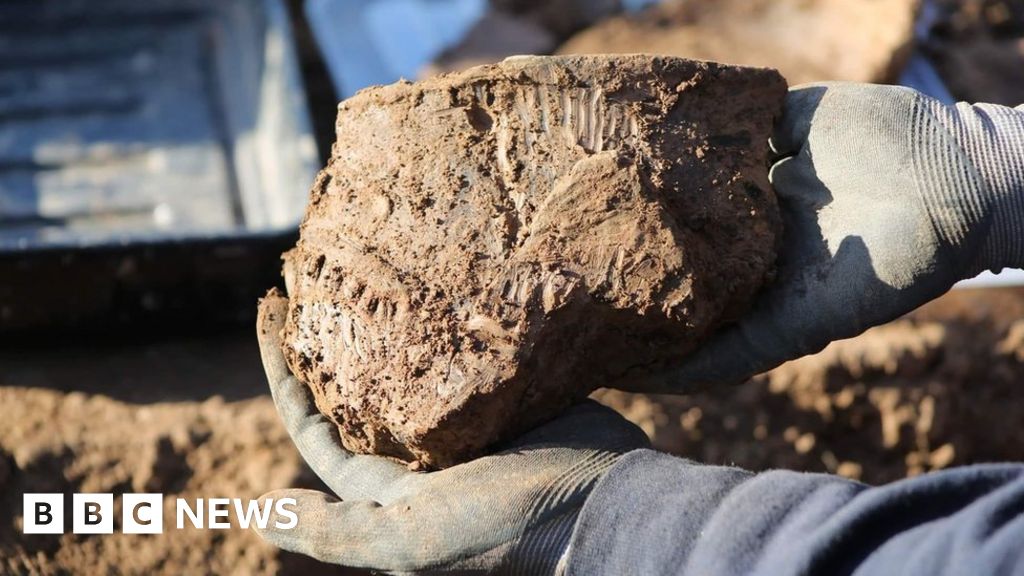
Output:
[[485, 248]]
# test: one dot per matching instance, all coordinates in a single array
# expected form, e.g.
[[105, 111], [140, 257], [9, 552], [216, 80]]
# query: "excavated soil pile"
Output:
[[485, 248], [941, 387], [188, 418], [938, 389], [807, 40]]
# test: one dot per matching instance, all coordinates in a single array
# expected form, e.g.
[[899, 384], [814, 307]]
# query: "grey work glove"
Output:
[[509, 513], [888, 198]]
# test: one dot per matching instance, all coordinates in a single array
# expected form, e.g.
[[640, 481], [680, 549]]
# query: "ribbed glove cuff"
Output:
[[544, 548], [977, 201]]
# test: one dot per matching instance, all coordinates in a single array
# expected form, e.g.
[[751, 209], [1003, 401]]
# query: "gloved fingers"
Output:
[[784, 324], [349, 476], [801, 314], [359, 534], [793, 178], [763, 338], [586, 425], [730, 358], [792, 129]]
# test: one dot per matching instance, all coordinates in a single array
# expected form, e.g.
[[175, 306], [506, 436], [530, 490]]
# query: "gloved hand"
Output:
[[509, 513], [888, 198]]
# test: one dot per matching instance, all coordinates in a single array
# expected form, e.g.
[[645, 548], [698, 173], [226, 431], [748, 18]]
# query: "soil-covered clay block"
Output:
[[486, 248]]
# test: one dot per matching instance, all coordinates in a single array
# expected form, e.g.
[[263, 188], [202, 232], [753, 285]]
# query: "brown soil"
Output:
[[941, 387], [591, 220], [187, 419], [806, 40], [193, 418]]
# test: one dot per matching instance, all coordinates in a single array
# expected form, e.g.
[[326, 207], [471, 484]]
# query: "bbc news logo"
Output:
[[144, 513]]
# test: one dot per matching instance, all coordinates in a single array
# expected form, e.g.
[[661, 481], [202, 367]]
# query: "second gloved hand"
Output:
[[888, 198], [512, 512]]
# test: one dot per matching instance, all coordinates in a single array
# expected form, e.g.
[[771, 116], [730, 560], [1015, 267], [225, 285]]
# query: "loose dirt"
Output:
[[187, 419], [942, 387], [486, 248]]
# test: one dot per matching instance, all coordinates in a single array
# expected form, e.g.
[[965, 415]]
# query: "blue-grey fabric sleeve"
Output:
[[656, 514]]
